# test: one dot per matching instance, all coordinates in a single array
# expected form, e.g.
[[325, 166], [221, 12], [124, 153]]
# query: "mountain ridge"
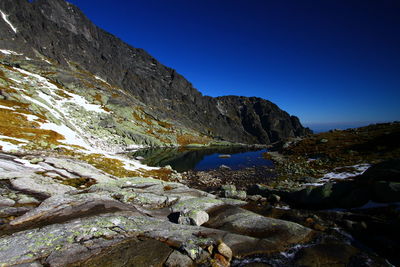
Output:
[[59, 31]]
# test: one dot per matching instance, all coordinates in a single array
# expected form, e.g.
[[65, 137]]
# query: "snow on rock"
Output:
[[358, 170], [9, 52], [6, 146], [70, 115], [101, 79], [71, 136], [5, 107], [332, 176], [5, 18], [13, 138], [26, 163]]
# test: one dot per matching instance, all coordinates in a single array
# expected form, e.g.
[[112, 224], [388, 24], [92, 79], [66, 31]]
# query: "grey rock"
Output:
[[40, 185], [240, 221], [6, 202], [64, 207]]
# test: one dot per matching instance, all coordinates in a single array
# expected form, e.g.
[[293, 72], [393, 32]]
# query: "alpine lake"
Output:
[[200, 159]]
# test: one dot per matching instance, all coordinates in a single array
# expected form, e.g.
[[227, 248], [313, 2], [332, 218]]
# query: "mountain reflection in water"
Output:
[[183, 159]]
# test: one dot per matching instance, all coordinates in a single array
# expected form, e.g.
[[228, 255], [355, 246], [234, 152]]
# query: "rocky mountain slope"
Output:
[[58, 37]]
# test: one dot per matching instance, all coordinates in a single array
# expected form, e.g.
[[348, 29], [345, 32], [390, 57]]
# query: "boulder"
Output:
[[244, 222]]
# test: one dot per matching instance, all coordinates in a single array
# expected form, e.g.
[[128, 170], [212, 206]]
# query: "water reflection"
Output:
[[183, 159]]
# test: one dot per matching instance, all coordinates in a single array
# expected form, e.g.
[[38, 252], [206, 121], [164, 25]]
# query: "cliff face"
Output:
[[56, 30]]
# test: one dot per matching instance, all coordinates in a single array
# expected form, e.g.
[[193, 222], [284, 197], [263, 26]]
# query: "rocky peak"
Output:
[[57, 30]]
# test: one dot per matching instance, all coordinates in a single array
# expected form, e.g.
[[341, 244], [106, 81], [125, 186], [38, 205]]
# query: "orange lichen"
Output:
[[161, 174], [187, 139]]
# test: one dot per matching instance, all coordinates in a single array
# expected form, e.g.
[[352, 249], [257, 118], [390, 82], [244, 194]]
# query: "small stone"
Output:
[[323, 140], [225, 250], [224, 156], [198, 217], [139, 158]]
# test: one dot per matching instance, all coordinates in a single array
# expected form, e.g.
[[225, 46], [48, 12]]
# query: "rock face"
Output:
[[59, 31]]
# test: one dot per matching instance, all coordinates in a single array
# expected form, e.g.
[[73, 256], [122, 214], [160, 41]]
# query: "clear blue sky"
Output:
[[325, 61]]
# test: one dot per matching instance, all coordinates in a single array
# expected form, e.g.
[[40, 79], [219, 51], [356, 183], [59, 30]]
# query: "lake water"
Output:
[[183, 159]]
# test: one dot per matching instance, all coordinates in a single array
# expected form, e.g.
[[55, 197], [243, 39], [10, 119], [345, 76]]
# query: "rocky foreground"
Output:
[[340, 183], [59, 211]]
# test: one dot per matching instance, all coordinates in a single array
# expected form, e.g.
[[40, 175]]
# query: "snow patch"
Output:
[[6, 146], [100, 79], [14, 80], [81, 101], [30, 117], [5, 17], [9, 52], [5, 107], [13, 138], [71, 137], [358, 170], [26, 163], [48, 62]]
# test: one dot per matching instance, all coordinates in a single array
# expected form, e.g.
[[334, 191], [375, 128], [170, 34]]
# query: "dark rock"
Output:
[[385, 171], [386, 191]]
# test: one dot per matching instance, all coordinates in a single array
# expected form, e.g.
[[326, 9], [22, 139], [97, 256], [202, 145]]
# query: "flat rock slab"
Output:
[[131, 252], [61, 208], [244, 222], [84, 233], [40, 185]]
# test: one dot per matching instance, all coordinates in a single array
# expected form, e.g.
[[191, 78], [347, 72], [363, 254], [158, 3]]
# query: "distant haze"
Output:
[[324, 127]]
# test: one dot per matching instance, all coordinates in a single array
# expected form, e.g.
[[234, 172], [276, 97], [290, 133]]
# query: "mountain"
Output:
[[143, 102]]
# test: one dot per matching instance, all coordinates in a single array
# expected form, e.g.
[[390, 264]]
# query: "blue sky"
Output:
[[327, 62]]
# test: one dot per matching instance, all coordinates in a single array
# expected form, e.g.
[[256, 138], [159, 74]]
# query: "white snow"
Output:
[[28, 164], [30, 117], [71, 137], [101, 79], [359, 169], [5, 107], [9, 52], [13, 138], [6, 146], [5, 17], [14, 80], [48, 62], [81, 101]]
